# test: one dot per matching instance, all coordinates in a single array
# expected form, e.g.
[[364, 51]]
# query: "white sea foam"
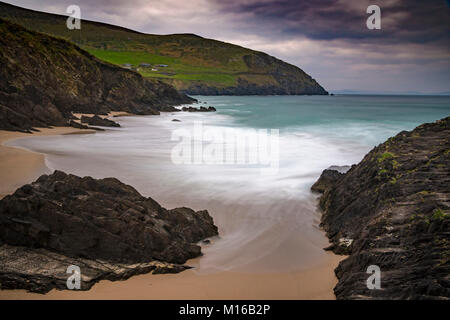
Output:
[[266, 222]]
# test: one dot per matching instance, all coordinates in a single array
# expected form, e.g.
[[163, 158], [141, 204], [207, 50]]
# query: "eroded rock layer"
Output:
[[392, 210]]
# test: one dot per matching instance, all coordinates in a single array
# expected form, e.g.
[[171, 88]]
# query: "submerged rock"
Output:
[[392, 210], [201, 109], [95, 220]]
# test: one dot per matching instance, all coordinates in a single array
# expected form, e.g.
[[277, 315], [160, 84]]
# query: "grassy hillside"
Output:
[[194, 64]]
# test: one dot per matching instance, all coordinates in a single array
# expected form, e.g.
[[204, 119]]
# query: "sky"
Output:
[[328, 39]]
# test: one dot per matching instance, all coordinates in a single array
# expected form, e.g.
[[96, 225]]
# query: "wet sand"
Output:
[[20, 166], [314, 283]]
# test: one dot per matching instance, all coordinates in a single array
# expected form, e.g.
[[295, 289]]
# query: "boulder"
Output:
[[104, 219]]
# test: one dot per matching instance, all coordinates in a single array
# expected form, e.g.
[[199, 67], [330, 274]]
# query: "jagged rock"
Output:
[[44, 79], [40, 270], [99, 220], [78, 125], [392, 210], [327, 179], [201, 109], [99, 121], [12, 120]]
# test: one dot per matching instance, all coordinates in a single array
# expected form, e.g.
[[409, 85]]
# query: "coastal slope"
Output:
[[103, 226], [193, 64], [392, 210], [44, 79]]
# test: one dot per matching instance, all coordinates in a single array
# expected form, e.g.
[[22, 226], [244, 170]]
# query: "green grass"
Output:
[[438, 214], [385, 156], [133, 57], [176, 69]]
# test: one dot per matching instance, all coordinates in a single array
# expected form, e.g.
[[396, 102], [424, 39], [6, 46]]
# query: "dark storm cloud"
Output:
[[405, 20]]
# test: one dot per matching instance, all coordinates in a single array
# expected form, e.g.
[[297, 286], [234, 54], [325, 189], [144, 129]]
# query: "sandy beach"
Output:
[[20, 166], [314, 283]]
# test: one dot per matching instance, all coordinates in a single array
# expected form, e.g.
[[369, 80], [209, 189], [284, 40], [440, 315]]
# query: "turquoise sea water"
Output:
[[370, 118], [266, 222]]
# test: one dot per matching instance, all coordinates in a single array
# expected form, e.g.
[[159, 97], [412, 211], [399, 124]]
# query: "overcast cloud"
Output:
[[326, 38]]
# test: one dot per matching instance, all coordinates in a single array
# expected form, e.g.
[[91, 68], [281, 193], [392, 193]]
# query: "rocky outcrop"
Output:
[[40, 270], [201, 109], [96, 221], [327, 180], [99, 121], [44, 79], [392, 210]]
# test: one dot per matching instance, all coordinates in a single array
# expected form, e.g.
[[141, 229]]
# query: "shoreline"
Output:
[[19, 166], [312, 283]]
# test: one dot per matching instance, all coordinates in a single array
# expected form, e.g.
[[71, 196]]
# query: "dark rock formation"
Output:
[[99, 121], [201, 109], [78, 125], [44, 79], [392, 210], [40, 270], [326, 180], [85, 218]]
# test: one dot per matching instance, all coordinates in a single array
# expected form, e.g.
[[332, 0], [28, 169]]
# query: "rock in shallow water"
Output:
[[201, 109], [105, 219]]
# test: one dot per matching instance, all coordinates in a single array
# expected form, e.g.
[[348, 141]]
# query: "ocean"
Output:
[[268, 221]]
